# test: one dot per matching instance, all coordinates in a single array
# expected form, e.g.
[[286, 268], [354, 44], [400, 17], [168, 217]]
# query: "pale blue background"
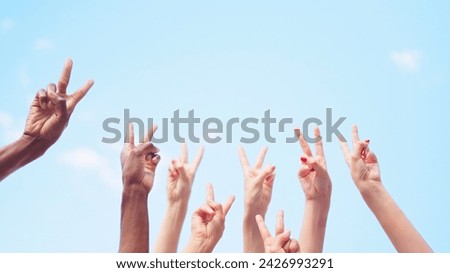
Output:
[[384, 65]]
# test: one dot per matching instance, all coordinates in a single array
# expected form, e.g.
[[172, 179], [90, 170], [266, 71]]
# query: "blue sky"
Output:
[[382, 65]]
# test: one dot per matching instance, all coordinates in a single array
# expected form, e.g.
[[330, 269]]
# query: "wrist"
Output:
[[176, 213], [180, 203], [37, 144], [32, 146], [198, 246], [133, 192], [250, 211], [370, 189], [318, 202], [317, 211], [250, 229]]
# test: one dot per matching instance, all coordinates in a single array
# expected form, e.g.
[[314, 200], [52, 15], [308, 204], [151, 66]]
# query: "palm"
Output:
[[260, 197], [317, 182], [181, 175], [180, 187], [138, 165], [258, 182], [47, 124], [206, 228], [44, 123], [362, 162], [272, 247], [367, 168]]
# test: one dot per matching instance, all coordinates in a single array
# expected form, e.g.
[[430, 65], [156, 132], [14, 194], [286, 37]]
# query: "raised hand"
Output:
[[52, 107], [316, 185], [179, 183], [313, 174], [47, 118], [258, 185], [258, 182], [138, 173], [208, 223], [181, 175], [281, 243], [139, 161], [365, 172], [362, 162]]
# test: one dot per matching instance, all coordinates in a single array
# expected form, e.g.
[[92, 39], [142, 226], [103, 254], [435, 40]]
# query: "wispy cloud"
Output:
[[86, 159], [6, 24], [407, 60], [5, 120], [43, 44], [24, 78]]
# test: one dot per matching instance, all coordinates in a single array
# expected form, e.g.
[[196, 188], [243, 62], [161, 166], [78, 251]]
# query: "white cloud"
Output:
[[24, 78], [43, 44], [86, 159], [407, 60], [7, 127], [6, 24], [5, 120]]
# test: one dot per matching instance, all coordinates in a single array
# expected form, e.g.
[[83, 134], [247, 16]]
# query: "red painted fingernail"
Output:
[[367, 140], [303, 159], [312, 169]]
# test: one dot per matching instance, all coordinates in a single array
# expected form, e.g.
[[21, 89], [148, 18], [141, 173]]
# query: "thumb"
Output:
[[371, 158], [265, 173], [155, 159], [360, 146]]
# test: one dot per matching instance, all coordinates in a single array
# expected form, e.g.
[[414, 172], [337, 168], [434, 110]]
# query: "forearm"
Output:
[[20, 153], [312, 234], [398, 228], [169, 234], [134, 233], [253, 242]]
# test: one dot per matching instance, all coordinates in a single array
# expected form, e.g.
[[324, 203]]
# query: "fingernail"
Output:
[[303, 159], [367, 140], [156, 158]]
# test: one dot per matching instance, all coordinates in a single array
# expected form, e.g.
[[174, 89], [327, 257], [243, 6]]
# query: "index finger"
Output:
[[355, 134], [129, 138], [319, 144], [79, 94], [151, 132], [279, 228], [65, 77], [209, 192], [227, 204], [184, 153], [346, 151], [261, 156], [302, 141], [243, 158], [263, 230]]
